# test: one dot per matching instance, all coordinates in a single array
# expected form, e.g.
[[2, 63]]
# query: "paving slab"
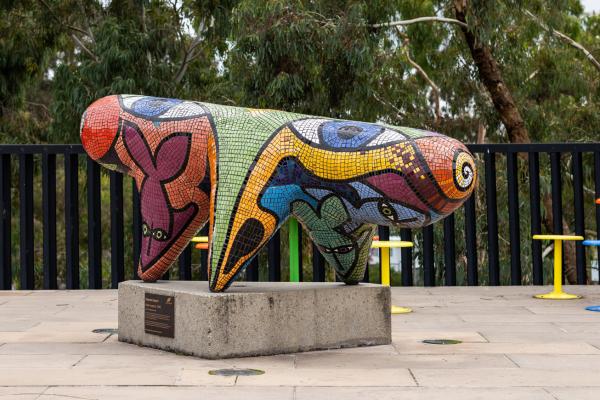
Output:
[[574, 393], [506, 377], [514, 348], [168, 392], [421, 393]]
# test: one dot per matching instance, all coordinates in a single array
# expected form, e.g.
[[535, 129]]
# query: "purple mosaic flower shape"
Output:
[[161, 223]]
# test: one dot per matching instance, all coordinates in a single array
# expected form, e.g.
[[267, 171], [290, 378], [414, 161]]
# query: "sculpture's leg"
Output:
[[347, 252], [247, 234]]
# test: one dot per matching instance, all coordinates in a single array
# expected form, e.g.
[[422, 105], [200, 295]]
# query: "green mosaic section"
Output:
[[241, 133]]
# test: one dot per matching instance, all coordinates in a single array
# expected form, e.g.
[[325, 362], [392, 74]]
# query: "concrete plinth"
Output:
[[253, 318]]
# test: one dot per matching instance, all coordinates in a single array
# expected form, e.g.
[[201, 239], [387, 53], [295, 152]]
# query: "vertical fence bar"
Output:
[[471, 241], [136, 227], [274, 258], [428, 257], [72, 220], [577, 165], [492, 218], [117, 248], [536, 219], [294, 248], [300, 265], [556, 197], [94, 225], [449, 252], [384, 234], [556, 193], [5, 224], [185, 264], [597, 187], [49, 214], [406, 258], [26, 244], [512, 176], [252, 271], [318, 264], [204, 257]]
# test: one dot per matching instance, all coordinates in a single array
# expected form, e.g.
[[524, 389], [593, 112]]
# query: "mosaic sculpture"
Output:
[[245, 171]]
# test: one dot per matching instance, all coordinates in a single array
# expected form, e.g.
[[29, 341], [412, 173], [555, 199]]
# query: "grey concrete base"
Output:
[[259, 318]]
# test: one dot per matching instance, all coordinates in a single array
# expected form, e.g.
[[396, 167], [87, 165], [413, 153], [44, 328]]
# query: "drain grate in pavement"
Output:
[[112, 331], [236, 372], [441, 341]]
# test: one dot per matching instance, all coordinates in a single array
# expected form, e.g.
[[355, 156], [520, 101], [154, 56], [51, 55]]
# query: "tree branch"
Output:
[[84, 48], [566, 39], [77, 41], [435, 89], [420, 19], [399, 113], [187, 59]]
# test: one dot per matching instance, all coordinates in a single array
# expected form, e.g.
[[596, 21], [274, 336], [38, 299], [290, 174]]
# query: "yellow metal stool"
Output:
[[202, 242], [557, 293], [385, 246]]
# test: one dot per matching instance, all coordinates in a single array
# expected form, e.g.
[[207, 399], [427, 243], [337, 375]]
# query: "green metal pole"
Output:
[[294, 251]]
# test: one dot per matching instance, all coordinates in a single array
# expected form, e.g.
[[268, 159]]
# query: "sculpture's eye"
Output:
[[387, 211], [325, 250], [343, 249], [159, 235], [464, 170], [145, 230]]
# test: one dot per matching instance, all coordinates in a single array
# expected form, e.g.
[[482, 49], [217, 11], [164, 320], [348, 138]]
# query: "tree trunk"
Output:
[[491, 77]]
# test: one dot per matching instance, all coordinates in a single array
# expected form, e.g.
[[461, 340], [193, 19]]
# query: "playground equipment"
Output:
[[385, 246], [201, 242], [557, 293]]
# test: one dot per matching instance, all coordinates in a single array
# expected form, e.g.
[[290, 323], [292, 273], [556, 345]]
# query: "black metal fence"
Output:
[[513, 182]]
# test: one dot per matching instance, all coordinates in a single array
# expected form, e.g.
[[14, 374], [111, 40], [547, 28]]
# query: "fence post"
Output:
[[471, 241], [94, 225], [49, 213], [492, 218], [72, 219], [26, 244], [274, 258], [536, 219], [117, 247], [449, 252], [5, 224], [428, 257], [577, 165], [318, 263], [512, 176], [406, 260]]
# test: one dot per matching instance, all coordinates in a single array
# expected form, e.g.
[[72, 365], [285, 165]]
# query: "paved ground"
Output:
[[514, 347]]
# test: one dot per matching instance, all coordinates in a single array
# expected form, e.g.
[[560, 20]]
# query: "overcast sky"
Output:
[[591, 5]]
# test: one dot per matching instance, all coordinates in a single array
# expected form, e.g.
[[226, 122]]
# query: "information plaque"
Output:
[[159, 315]]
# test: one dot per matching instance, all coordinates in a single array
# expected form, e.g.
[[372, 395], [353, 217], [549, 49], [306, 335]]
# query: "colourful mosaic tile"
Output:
[[245, 171]]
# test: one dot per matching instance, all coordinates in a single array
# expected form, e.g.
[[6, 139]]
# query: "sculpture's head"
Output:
[[162, 144], [99, 129], [451, 166]]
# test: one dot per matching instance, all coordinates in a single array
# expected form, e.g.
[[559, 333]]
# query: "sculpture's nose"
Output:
[[99, 126], [451, 164]]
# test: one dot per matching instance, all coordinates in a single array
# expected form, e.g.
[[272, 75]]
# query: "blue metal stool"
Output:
[[592, 243]]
